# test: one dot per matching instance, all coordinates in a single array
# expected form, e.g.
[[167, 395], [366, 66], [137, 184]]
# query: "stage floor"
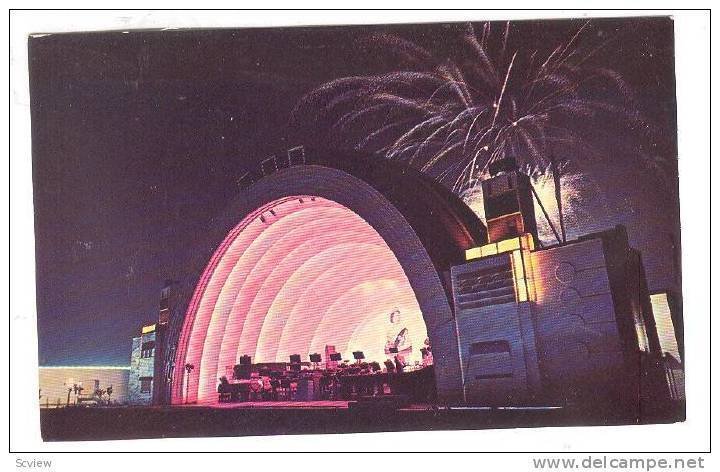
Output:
[[313, 417], [292, 405], [316, 404]]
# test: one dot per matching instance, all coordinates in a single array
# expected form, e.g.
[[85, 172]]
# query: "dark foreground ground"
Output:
[[74, 424]]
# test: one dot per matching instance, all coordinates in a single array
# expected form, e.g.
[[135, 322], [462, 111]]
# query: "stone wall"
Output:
[[140, 368], [496, 335], [569, 341]]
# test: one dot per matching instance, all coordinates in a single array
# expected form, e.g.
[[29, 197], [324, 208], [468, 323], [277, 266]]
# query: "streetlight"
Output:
[[188, 368], [78, 388]]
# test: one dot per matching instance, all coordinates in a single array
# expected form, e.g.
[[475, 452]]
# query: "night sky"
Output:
[[138, 140]]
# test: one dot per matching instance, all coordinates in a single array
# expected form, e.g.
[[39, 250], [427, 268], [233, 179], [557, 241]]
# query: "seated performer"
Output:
[[266, 388], [399, 363], [223, 389], [397, 337], [427, 355]]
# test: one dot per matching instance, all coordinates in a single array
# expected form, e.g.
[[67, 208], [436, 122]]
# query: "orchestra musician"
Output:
[[224, 389], [427, 355], [399, 363], [346, 381]]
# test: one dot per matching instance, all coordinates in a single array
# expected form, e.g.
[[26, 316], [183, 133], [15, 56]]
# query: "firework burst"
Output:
[[487, 100], [580, 195], [452, 117]]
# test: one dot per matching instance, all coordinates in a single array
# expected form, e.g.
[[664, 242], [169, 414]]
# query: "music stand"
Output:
[[358, 355], [243, 369], [315, 359], [393, 350], [241, 372], [336, 356], [294, 358]]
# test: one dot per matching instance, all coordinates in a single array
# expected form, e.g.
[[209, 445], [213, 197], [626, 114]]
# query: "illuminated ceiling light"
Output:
[[525, 242], [521, 285]]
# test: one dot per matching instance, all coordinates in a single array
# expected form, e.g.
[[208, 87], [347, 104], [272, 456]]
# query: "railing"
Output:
[[292, 157]]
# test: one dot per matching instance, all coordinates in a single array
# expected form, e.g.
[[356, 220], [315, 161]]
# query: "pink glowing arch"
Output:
[[314, 249], [297, 274]]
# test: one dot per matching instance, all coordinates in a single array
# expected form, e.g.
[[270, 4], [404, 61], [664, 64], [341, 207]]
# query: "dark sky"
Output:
[[138, 140]]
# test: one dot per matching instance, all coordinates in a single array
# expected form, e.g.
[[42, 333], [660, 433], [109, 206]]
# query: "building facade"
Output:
[[57, 385], [151, 361], [666, 311], [511, 322], [142, 367], [557, 325]]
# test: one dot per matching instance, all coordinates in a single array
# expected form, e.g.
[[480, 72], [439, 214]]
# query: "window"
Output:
[[490, 285], [490, 360], [521, 282], [146, 384], [147, 349], [489, 347], [641, 333]]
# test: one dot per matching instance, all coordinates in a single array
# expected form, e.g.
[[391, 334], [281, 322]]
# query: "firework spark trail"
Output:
[[456, 116], [498, 104]]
